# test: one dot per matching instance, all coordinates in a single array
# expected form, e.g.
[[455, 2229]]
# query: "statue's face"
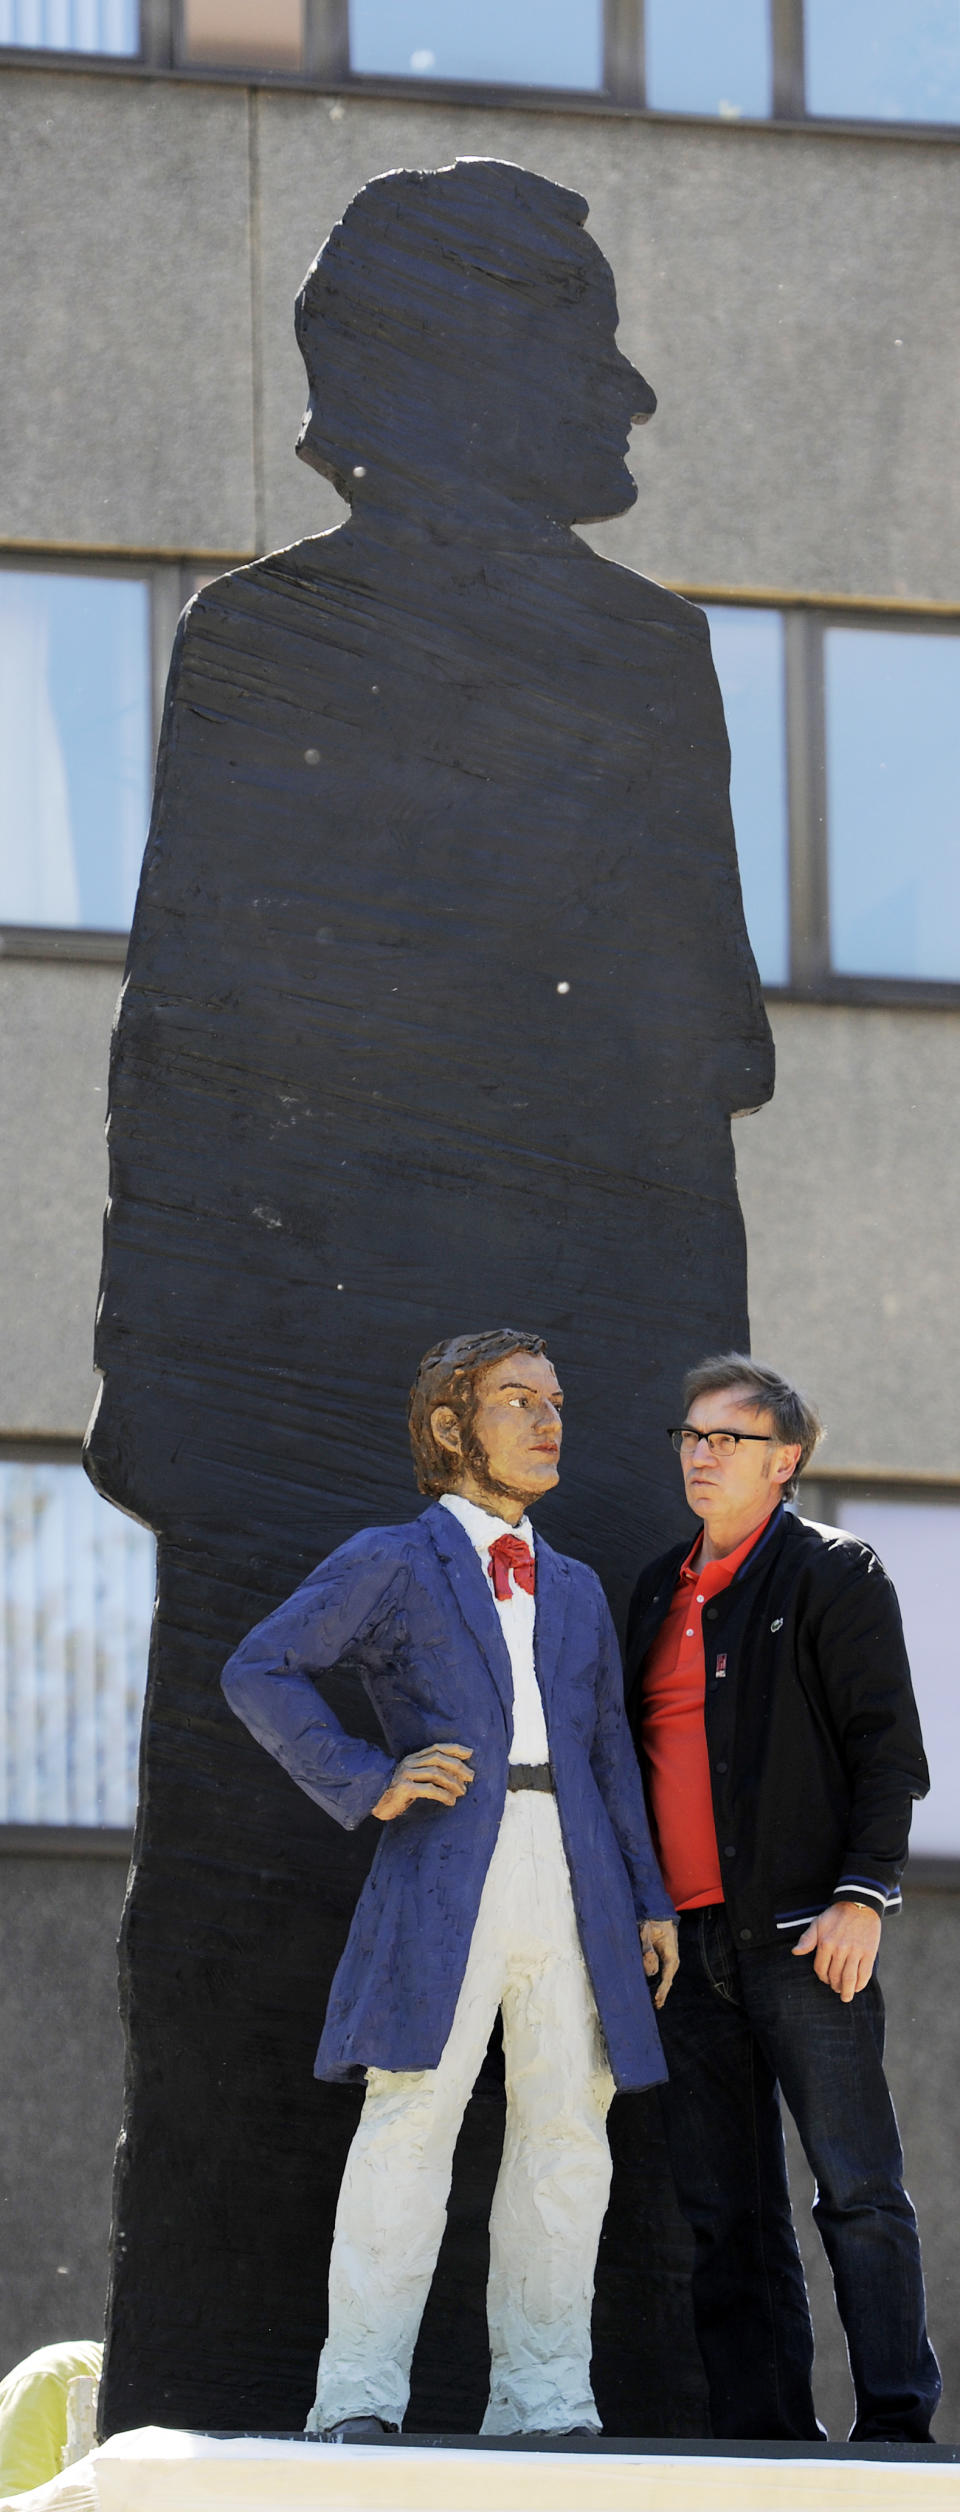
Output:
[[529, 397], [513, 1446], [589, 397], [518, 1426]]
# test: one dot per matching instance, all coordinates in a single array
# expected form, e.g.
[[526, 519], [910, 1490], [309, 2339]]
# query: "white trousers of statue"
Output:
[[554, 2179]]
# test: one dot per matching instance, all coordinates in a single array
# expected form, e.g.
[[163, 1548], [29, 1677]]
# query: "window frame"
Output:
[[66, 1840], [830, 1485], [326, 67]]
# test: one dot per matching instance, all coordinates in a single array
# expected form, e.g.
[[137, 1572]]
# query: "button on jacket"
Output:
[[411, 1609], [812, 1730]]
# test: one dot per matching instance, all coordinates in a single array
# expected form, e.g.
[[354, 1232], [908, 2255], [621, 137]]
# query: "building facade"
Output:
[[773, 185]]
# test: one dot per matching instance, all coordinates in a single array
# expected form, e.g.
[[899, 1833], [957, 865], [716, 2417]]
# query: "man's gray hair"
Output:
[[795, 1420]]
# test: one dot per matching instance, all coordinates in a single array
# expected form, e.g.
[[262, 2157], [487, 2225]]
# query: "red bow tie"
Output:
[[508, 1553]]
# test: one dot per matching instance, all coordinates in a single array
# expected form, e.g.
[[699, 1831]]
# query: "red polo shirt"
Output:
[[674, 1736]]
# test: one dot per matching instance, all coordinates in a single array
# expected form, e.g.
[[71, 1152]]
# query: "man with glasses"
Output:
[[771, 1704]]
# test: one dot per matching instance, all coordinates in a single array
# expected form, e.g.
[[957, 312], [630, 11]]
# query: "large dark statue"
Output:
[[438, 1003]]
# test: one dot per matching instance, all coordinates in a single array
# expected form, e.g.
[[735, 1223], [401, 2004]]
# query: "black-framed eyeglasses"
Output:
[[721, 1443]]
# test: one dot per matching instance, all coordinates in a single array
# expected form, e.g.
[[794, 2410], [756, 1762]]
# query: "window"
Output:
[[859, 60], [892, 703], [84, 654], [887, 60], [915, 1538], [845, 798], [77, 1588], [243, 34], [748, 653], [75, 742], [705, 58], [71, 25], [522, 43]]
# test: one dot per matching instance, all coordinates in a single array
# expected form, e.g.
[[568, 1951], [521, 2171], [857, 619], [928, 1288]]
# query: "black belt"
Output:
[[530, 1775]]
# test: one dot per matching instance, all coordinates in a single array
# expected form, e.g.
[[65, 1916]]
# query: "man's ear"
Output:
[[446, 1429], [782, 1473]]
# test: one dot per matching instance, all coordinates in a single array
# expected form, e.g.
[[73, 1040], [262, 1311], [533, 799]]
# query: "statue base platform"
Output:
[[159, 2470]]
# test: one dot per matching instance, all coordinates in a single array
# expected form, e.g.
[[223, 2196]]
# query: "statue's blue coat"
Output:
[[408, 1605]]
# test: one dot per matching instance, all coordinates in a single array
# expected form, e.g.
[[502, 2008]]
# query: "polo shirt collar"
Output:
[[717, 1574]]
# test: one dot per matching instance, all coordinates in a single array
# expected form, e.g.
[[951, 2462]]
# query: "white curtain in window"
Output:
[[918, 1541], [38, 867], [77, 1599], [71, 25]]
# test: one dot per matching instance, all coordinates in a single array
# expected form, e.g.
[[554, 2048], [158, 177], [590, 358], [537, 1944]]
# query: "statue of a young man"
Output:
[[514, 1868]]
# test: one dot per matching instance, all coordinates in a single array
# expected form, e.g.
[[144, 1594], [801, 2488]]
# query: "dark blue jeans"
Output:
[[737, 2022]]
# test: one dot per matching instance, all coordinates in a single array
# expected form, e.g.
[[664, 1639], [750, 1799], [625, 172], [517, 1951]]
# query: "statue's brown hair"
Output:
[[450, 1373]]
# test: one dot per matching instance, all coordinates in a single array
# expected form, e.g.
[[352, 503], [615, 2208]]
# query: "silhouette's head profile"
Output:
[[459, 334]]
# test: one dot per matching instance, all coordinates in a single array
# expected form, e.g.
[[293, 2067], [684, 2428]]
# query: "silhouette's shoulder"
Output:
[[247, 607], [300, 563], [636, 598]]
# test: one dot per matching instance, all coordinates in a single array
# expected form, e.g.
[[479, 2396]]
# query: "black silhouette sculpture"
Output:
[[438, 1002]]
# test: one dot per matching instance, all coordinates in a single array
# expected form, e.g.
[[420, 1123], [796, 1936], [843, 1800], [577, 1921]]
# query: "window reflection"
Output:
[[520, 43], [748, 653], [883, 60], [892, 704], [77, 1584], [244, 34], [74, 747], [71, 25], [706, 58]]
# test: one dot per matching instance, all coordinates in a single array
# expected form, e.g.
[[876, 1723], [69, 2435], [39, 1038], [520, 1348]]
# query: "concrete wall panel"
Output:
[[851, 1197], [795, 301], [61, 2063], [54, 1042], [125, 407]]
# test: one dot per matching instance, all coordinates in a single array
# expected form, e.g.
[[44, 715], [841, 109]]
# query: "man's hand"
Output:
[[438, 1770], [661, 1954], [847, 1939]]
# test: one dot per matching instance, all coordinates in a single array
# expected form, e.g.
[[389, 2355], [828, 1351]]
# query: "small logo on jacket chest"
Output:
[[778, 1625]]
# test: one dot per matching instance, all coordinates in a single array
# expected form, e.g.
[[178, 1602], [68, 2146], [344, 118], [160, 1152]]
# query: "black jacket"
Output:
[[812, 1729]]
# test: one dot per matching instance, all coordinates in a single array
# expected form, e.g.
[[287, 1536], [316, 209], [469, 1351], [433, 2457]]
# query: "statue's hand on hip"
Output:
[[440, 1771]]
